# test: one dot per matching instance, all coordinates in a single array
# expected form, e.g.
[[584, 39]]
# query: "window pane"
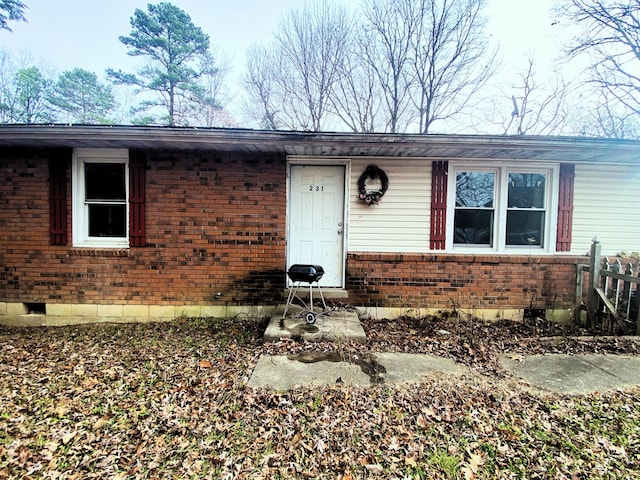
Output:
[[475, 189], [104, 181], [107, 220], [526, 190], [524, 227], [473, 227]]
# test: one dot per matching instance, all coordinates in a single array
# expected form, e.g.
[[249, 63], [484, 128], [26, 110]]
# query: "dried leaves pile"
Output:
[[169, 400]]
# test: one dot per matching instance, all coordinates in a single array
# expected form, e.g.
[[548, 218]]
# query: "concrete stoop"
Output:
[[329, 326]]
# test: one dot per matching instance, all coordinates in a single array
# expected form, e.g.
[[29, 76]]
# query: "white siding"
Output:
[[606, 205], [400, 223]]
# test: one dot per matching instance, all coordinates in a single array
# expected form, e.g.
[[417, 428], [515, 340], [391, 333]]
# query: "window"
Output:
[[100, 205], [501, 208], [475, 208], [525, 208], [106, 199]]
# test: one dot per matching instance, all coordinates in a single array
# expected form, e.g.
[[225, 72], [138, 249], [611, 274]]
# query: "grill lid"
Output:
[[305, 273]]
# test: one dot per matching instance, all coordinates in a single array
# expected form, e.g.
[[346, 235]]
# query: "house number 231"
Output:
[[316, 188]]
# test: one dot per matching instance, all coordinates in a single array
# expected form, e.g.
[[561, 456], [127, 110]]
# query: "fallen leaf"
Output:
[[374, 468], [90, 383], [68, 437], [394, 445], [101, 422], [205, 364], [421, 421], [468, 473], [306, 447], [475, 461], [23, 454], [62, 409], [410, 461], [429, 412]]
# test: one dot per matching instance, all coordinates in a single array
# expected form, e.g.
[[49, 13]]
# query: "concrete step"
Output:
[[329, 326]]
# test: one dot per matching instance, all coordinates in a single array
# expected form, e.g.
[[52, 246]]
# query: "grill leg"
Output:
[[324, 304], [292, 294]]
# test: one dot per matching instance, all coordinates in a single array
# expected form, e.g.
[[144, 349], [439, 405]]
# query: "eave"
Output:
[[348, 145]]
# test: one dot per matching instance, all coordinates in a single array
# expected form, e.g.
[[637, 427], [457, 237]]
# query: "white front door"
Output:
[[316, 220]]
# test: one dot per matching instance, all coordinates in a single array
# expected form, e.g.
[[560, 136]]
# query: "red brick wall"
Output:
[[214, 223], [468, 281], [24, 223]]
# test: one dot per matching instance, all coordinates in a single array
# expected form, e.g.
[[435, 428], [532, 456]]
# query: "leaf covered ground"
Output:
[[169, 400]]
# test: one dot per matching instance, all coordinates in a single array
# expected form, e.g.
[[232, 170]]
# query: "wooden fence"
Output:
[[613, 294]]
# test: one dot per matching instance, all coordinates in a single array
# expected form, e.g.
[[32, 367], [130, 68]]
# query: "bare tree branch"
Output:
[[610, 35], [410, 63], [312, 42], [450, 58], [260, 84], [603, 117], [357, 97], [390, 26], [532, 108]]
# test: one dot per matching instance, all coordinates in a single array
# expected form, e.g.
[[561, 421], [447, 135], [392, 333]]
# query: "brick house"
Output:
[[108, 223]]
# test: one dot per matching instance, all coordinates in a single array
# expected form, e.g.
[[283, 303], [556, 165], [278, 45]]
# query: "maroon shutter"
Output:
[[439, 172], [565, 207], [137, 237], [58, 166]]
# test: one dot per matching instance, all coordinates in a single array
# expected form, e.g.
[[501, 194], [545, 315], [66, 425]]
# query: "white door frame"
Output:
[[322, 162]]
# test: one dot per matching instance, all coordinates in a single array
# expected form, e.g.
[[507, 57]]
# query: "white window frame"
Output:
[[82, 156], [502, 171]]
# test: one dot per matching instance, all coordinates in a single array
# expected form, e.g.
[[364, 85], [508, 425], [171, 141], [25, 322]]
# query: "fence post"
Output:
[[580, 268], [616, 268], [626, 289], [594, 278]]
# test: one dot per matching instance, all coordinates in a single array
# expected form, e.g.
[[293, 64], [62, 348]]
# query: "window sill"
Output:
[[98, 252], [99, 243], [514, 250]]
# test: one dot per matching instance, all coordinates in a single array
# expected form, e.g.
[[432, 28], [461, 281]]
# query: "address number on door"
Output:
[[316, 188]]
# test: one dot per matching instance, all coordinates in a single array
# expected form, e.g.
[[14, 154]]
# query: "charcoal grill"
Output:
[[299, 274]]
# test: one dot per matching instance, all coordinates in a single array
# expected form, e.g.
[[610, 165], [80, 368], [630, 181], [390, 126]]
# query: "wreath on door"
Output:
[[372, 197]]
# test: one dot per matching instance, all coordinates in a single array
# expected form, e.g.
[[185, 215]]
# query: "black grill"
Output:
[[305, 273], [310, 274]]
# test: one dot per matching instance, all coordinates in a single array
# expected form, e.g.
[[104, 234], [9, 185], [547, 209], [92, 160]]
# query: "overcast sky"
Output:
[[84, 33]]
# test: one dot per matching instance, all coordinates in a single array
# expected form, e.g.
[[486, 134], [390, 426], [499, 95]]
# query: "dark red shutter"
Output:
[[439, 171], [137, 234], [565, 207], [58, 166]]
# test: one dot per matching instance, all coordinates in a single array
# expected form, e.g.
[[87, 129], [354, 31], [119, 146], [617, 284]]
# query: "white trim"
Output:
[[81, 156], [502, 170]]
